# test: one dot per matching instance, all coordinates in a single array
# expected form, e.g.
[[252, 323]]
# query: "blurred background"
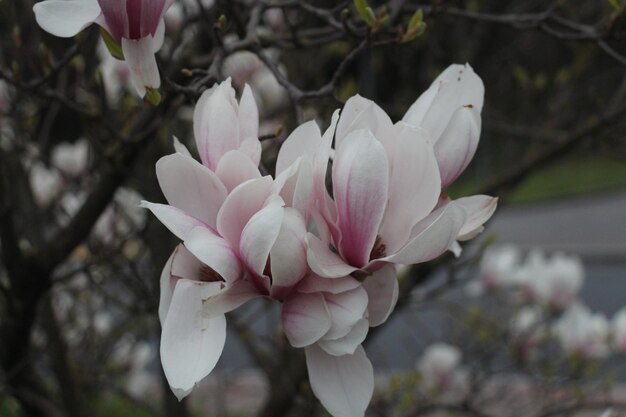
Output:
[[79, 331]]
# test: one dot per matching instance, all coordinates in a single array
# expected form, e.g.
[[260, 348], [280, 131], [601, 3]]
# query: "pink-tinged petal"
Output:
[[303, 192], [240, 205], [115, 18], [456, 146], [325, 262], [431, 237], [191, 187], [312, 283], [259, 235], [346, 309], [343, 384], [305, 319], [166, 290], [65, 18], [349, 343], [252, 148], [303, 141], [216, 124], [176, 220], [361, 113], [360, 185], [479, 209], [248, 115], [235, 168], [382, 293], [414, 185], [288, 254], [230, 298], [151, 14], [458, 86], [215, 252], [139, 55], [191, 343], [180, 147]]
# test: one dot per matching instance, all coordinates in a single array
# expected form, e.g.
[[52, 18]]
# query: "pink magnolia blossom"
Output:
[[136, 25], [387, 182]]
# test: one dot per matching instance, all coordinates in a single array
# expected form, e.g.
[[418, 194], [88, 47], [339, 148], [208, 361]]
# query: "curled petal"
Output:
[[305, 319], [343, 384], [215, 252], [191, 342], [431, 237], [479, 209], [176, 220], [65, 18], [382, 293]]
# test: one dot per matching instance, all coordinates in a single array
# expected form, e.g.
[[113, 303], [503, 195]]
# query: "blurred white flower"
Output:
[[121, 217], [45, 183], [551, 281], [441, 371], [583, 333], [71, 158], [618, 327], [498, 267]]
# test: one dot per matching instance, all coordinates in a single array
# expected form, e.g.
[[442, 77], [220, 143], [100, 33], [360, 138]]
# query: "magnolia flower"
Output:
[[135, 25], [527, 329], [440, 370], [386, 187], [618, 326], [582, 333], [45, 183]]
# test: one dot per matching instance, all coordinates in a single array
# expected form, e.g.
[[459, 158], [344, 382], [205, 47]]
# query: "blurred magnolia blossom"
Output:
[[46, 183], [441, 371], [498, 267], [528, 329], [246, 68], [121, 217], [582, 333], [618, 328], [71, 158], [330, 261], [176, 13], [553, 281]]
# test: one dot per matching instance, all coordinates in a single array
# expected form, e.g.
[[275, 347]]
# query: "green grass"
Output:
[[569, 177]]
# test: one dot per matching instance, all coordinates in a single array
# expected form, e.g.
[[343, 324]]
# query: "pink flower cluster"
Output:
[[330, 260]]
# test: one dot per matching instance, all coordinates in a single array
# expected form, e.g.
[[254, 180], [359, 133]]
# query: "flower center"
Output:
[[208, 274], [378, 250]]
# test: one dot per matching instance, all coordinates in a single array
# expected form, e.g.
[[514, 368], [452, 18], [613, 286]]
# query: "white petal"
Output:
[[191, 343], [176, 220], [349, 343], [165, 284], [180, 147], [159, 36], [230, 298], [191, 187], [323, 261], [215, 252], [479, 209], [139, 55], [431, 237], [65, 18], [304, 140], [240, 205], [361, 113], [382, 293], [235, 168], [456, 146], [288, 255], [259, 235], [305, 319], [312, 283], [414, 186], [343, 384], [346, 309], [248, 115]]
